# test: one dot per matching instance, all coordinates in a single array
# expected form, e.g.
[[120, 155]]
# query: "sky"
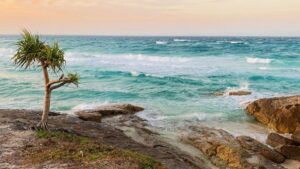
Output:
[[152, 17]]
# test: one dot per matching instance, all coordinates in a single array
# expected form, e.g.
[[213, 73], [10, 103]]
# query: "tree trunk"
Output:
[[44, 121]]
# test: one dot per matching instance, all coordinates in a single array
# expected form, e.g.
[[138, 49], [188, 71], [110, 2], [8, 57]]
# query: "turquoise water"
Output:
[[175, 78]]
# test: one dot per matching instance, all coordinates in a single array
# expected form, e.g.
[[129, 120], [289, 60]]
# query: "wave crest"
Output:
[[6, 51], [181, 40], [161, 42], [258, 60]]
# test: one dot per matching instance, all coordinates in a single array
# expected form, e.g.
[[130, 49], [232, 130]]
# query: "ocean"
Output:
[[174, 78]]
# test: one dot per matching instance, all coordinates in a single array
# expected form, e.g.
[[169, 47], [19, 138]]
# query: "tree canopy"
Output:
[[32, 51]]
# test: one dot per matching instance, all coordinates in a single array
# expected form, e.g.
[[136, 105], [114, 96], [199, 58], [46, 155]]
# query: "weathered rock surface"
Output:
[[255, 146], [107, 110], [239, 93], [276, 140], [225, 151], [296, 135], [281, 114], [89, 116], [105, 133], [290, 151]]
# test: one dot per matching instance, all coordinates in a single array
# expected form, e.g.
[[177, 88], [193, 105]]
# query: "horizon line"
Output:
[[106, 35]]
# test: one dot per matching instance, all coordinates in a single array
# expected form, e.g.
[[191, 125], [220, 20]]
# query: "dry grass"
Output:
[[66, 148]]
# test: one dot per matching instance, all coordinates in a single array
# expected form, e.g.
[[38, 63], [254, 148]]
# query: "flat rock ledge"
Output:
[[226, 151], [17, 123], [282, 114], [100, 112]]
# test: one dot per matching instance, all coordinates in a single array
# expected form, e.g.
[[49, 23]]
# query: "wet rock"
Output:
[[281, 114], [276, 140], [225, 151], [290, 151], [255, 146], [107, 110], [239, 93]]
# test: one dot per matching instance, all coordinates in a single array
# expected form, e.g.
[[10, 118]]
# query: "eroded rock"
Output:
[[276, 140], [296, 135], [105, 133], [290, 151], [89, 116], [107, 110], [255, 146], [225, 151], [281, 114]]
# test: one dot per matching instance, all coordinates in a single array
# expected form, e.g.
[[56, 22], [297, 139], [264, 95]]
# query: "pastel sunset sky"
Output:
[[152, 17]]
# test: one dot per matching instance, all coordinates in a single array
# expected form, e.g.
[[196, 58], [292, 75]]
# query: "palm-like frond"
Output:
[[55, 57], [29, 51], [73, 78]]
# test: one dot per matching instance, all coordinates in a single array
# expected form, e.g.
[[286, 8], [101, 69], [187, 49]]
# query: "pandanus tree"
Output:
[[32, 52]]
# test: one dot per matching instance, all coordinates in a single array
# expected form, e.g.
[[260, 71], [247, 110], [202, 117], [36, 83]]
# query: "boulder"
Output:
[[89, 116], [255, 146], [276, 140], [281, 114], [239, 93], [290, 151], [219, 146], [107, 110], [225, 151], [296, 135]]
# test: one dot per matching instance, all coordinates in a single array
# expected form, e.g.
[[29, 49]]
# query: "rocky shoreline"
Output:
[[118, 126], [14, 123]]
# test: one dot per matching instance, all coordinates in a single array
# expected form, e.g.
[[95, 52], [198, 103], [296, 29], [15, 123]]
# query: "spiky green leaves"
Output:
[[32, 51], [73, 78], [54, 57]]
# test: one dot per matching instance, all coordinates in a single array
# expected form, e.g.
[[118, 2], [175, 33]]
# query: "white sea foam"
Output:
[[161, 42], [77, 56], [153, 58], [236, 42], [6, 51], [181, 40], [135, 73], [89, 106], [258, 60], [152, 65], [264, 68]]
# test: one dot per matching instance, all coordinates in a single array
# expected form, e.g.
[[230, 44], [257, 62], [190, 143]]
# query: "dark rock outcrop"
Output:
[[106, 111], [296, 135], [290, 151], [255, 146], [225, 151], [281, 114], [239, 93], [276, 140]]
